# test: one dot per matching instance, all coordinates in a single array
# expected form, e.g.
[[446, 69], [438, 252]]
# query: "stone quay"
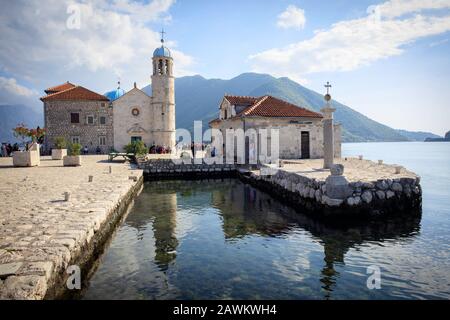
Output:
[[353, 188], [53, 217]]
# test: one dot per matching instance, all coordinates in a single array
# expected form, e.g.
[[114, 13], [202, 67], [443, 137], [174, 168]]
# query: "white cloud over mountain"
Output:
[[13, 90], [292, 17], [113, 40], [349, 44]]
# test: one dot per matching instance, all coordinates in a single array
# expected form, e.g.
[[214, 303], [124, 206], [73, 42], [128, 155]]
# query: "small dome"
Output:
[[115, 94], [162, 52]]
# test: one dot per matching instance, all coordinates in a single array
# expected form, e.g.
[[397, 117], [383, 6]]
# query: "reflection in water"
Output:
[[224, 239], [163, 219]]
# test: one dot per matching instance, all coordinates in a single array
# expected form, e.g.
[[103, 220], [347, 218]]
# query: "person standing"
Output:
[[4, 151], [193, 149]]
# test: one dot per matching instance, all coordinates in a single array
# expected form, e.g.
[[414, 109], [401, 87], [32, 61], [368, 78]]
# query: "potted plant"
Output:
[[137, 148], [60, 151], [31, 156], [73, 158]]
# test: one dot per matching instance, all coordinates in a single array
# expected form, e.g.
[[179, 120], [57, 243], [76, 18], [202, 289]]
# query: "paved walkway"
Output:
[[39, 231], [354, 170]]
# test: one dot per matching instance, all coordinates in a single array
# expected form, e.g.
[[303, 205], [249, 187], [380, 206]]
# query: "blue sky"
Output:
[[386, 59]]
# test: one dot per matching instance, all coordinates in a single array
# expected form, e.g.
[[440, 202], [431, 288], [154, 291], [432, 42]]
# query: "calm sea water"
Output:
[[227, 240]]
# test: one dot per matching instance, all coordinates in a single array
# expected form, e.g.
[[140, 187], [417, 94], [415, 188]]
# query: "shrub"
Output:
[[60, 143], [137, 148], [74, 149], [37, 135]]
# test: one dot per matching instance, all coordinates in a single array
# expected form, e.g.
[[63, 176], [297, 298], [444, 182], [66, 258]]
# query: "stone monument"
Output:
[[328, 134]]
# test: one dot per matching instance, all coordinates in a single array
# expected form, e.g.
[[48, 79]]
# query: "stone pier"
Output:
[[41, 234], [353, 188]]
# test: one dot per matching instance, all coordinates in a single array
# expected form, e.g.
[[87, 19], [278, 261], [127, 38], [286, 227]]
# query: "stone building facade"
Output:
[[133, 118], [138, 116], [300, 130], [80, 116], [113, 120]]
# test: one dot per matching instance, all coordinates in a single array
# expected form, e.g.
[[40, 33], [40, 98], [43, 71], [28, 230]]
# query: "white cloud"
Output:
[[347, 45], [292, 17], [11, 85], [397, 8], [113, 40], [12, 92]]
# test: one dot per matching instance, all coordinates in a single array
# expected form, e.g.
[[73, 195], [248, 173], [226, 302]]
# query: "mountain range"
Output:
[[12, 115], [198, 98]]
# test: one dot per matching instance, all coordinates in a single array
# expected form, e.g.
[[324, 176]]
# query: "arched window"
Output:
[[166, 64], [160, 66]]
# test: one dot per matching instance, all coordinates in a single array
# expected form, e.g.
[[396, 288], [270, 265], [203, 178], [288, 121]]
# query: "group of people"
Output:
[[156, 149], [7, 149], [85, 150]]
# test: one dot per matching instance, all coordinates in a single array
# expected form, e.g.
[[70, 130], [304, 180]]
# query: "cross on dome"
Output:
[[162, 35]]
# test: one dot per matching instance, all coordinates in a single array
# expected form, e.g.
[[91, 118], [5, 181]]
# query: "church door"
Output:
[[305, 145]]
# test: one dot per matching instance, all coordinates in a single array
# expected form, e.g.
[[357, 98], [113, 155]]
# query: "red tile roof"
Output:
[[268, 106], [75, 93], [59, 88], [214, 120], [241, 100]]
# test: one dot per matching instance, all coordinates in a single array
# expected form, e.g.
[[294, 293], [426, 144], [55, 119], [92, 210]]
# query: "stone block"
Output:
[[9, 269], [367, 196], [337, 187], [390, 194], [397, 187], [72, 161], [332, 202], [26, 158], [381, 195], [382, 185], [58, 154], [337, 170]]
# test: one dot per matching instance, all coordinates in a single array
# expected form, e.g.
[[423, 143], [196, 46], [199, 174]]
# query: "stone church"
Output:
[[111, 121], [300, 129]]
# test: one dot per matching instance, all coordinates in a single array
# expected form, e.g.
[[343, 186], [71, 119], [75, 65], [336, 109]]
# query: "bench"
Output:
[[125, 156]]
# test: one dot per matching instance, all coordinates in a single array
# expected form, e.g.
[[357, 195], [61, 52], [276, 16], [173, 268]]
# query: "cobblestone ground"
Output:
[[39, 231], [354, 169]]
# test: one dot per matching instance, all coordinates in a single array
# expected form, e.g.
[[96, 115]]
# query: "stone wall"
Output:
[[329, 197], [158, 169], [57, 118]]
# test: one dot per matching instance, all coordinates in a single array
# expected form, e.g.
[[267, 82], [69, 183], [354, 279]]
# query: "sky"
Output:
[[388, 59]]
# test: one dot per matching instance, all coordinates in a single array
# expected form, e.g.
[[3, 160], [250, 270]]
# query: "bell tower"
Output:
[[163, 97]]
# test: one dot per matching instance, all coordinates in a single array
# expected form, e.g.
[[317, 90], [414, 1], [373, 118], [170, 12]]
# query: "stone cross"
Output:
[[328, 86], [162, 35]]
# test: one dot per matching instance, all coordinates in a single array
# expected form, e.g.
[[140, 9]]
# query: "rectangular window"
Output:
[[103, 120], [90, 119], [75, 139], [103, 104], [102, 140], [133, 139], [74, 118]]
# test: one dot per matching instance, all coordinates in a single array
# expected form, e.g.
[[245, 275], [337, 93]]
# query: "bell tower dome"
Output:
[[163, 97]]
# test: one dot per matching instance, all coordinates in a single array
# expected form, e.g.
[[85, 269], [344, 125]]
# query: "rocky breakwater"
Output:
[[336, 195]]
